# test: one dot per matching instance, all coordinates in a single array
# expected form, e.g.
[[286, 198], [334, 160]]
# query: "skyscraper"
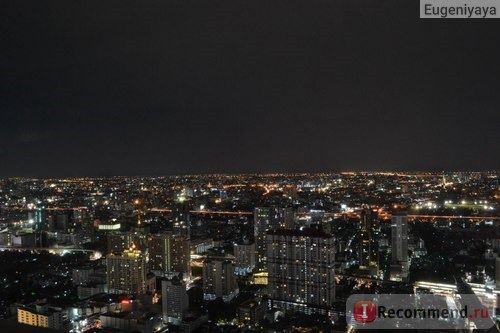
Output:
[[40, 219], [368, 252], [181, 219], [266, 218], [175, 299], [301, 269], [219, 280], [169, 253], [126, 273], [121, 241], [399, 246]]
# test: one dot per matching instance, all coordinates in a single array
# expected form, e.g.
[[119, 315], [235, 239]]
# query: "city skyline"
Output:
[[249, 166], [249, 253]]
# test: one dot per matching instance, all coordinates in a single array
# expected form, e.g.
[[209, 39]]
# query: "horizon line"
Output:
[[276, 173]]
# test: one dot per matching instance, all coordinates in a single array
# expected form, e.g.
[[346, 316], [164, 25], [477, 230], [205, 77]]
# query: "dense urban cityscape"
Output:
[[246, 166], [240, 253]]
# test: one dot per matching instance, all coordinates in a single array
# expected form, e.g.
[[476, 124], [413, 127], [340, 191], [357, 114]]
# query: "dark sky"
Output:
[[172, 87]]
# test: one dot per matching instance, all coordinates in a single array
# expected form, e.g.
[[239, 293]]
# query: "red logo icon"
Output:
[[365, 311]]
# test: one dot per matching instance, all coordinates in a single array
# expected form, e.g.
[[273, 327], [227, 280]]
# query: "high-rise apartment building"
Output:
[[244, 257], [126, 273], [181, 219], [399, 246], [267, 218], [368, 251], [169, 253], [219, 280], [121, 241], [301, 269], [175, 299]]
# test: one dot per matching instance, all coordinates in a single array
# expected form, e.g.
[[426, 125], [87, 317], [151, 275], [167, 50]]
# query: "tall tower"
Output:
[[265, 218], [169, 253], [181, 219], [368, 251], [399, 246], [301, 269], [219, 280], [175, 299], [40, 219], [126, 273]]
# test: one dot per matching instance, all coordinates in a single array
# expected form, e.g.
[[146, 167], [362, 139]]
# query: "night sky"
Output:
[[181, 87]]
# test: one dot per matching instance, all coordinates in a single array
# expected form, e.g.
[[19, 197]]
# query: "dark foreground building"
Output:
[[301, 270]]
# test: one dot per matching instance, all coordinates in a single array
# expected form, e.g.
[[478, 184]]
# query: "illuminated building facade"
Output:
[[219, 280], [126, 273], [40, 316], [251, 312], [368, 251], [301, 269], [244, 257], [266, 218], [181, 219], [175, 299], [399, 246], [169, 253], [118, 242]]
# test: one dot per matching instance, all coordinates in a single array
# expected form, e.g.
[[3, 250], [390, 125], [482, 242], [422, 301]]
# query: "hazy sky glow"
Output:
[[172, 87]]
